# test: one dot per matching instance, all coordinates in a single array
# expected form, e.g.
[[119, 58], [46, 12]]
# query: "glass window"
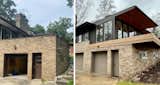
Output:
[[86, 36], [108, 30], [143, 54], [155, 54], [125, 31], [77, 39], [131, 32], [83, 35], [119, 29], [99, 32], [80, 38]]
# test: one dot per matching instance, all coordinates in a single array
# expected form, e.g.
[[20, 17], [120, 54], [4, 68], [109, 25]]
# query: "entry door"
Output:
[[115, 63], [36, 65], [100, 63]]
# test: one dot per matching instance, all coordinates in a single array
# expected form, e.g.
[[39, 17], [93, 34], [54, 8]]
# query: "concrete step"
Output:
[[61, 82]]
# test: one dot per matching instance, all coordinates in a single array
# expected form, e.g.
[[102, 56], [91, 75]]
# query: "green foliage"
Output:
[[38, 29], [132, 83], [7, 9], [60, 28], [70, 3], [70, 82]]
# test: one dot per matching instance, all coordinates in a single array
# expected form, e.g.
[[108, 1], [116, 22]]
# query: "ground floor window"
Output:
[[143, 54]]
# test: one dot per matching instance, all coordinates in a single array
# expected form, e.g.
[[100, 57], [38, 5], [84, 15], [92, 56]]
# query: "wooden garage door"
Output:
[[79, 62], [99, 63]]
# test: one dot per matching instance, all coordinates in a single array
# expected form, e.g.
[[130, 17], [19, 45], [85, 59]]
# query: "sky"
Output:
[[43, 11], [149, 7]]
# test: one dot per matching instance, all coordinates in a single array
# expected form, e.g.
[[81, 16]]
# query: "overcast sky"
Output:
[[149, 7], [43, 11]]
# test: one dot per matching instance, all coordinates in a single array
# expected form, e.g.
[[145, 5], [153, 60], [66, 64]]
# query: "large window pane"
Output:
[[119, 29], [125, 31], [108, 30], [99, 32], [86, 36], [131, 32]]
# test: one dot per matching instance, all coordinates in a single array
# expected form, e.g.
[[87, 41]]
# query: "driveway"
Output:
[[22, 80], [94, 80]]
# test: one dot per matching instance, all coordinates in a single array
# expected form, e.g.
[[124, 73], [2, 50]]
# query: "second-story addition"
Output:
[[127, 23]]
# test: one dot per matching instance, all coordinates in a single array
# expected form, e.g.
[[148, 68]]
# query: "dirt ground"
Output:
[[21, 80], [94, 80]]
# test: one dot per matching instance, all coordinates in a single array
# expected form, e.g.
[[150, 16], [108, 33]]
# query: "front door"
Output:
[[36, 65], [115, 63]]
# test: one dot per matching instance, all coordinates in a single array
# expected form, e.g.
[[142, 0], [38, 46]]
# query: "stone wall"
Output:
[[129, 62], [42, 44], [62, 59]]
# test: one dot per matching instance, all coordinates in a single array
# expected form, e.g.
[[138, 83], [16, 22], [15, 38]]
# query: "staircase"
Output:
[[151, 75], [66, 77]]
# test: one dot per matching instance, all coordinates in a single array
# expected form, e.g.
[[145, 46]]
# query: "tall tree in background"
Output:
[[60, 28], [70, 3], [106, 7], [82, 9], [38, 29], [7, 9]]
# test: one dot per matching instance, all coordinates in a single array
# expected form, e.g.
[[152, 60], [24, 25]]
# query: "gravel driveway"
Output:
[[94, 80]]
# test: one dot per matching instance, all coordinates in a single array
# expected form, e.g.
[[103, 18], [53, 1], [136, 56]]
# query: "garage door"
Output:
[[15, 64], [99, 63], [79, 62]]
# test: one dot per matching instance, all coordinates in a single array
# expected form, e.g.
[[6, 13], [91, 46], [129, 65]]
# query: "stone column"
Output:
[[109, 63], [1, 65], [87, 58], [29, 71]]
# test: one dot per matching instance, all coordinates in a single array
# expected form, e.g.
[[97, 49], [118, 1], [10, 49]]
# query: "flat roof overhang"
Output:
[[136, 18], [145, 45], [85, 27]]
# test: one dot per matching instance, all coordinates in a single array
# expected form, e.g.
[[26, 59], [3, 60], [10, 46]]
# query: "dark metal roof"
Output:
[[85, 27], [12, 27], [134, 16]]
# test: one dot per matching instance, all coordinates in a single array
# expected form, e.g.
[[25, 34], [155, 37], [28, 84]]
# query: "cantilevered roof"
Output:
[[132, 16], [135, 17]]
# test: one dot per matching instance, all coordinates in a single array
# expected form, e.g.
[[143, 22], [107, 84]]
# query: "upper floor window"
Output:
[[100, 32], [85, 36], [125, 31], [104, 31], [108, 30], [80, 38], [119, 29]]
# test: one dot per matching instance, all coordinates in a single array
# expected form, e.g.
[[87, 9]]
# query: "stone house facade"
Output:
[[38, 57], [117, 46]]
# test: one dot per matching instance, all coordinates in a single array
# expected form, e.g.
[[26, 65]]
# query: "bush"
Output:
[[70, 82]]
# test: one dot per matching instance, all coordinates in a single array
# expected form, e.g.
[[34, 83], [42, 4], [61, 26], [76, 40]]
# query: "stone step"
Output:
[[61, 82]]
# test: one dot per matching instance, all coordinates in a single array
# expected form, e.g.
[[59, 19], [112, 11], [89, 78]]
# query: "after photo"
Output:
[[117, 42]]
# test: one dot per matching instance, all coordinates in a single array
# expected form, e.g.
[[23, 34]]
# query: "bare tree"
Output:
[[106, 7], [156, 30], [82, 9]]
